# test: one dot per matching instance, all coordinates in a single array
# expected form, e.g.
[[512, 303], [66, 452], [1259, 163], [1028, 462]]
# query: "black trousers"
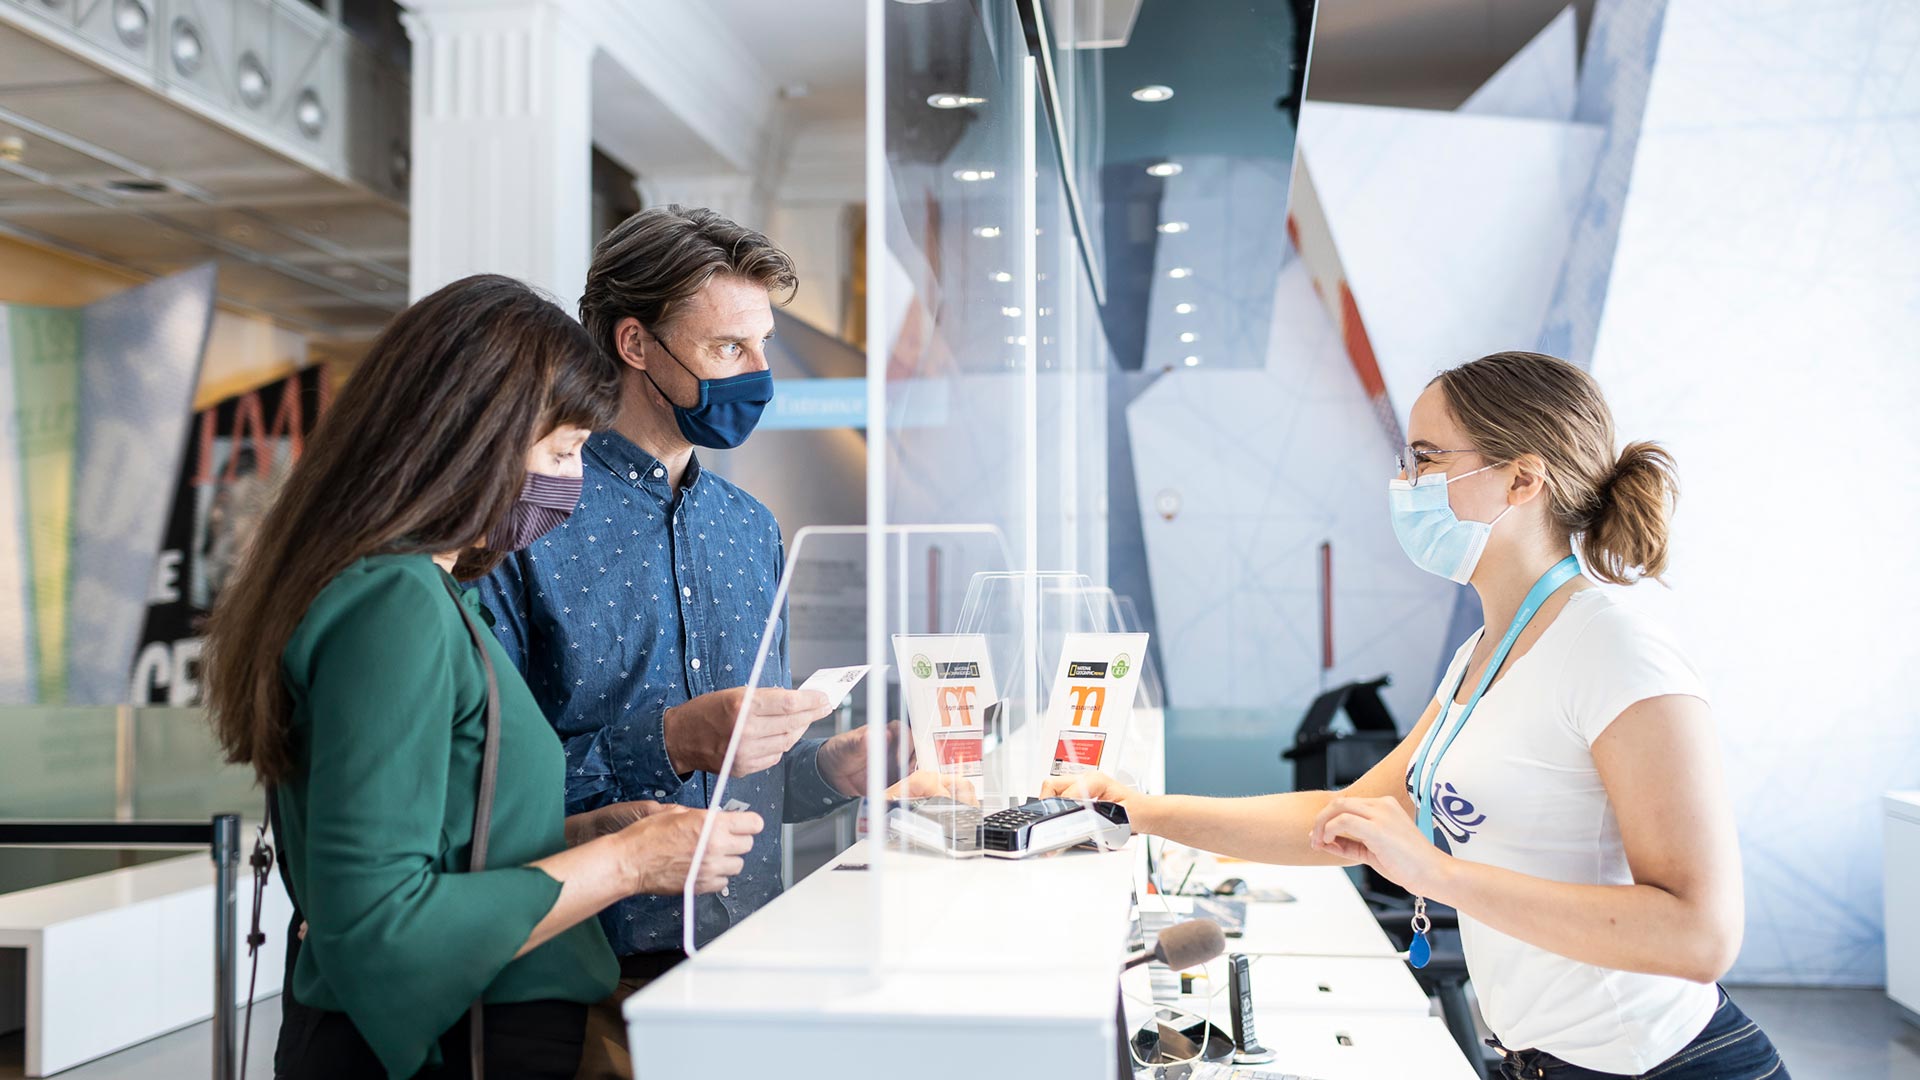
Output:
[[533, 1040]]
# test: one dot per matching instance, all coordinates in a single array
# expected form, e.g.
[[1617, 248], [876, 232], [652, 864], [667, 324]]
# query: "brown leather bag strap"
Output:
[[483, 806]]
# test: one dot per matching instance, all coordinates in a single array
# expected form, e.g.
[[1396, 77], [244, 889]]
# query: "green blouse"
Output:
[[389, 714]]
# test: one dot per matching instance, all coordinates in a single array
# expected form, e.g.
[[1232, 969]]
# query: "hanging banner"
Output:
[[1093, 693], [949, 685], [238, 455]]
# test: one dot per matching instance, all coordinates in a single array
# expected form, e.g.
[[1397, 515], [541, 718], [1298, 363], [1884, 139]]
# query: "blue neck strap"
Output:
[[1564, 571]]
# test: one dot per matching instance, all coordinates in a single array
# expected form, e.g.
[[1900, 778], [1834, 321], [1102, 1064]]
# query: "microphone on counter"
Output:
[[1183, 945]]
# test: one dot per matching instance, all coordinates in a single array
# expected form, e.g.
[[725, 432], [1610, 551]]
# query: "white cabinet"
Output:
[[1903, 900]]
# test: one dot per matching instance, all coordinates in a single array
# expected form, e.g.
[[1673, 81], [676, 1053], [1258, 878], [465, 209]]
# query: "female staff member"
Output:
[[1567, 764], [347, 668]]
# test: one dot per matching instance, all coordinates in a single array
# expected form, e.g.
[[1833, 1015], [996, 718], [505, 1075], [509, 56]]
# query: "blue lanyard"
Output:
[[1564, 571]]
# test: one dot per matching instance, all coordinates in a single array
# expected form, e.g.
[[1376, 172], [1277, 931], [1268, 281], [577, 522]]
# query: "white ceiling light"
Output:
[[987, 231], [1010, 312], [1164, 168], [130, 21], [188, 50], [953, 101], [1002, 276], [972, 176], [253, 82], [1183, 309], [1189, 338], [310, 114], [1171, 227], [1156, 92], [1193, 361], [1179, 272]]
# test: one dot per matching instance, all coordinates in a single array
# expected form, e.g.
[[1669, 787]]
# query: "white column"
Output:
[[502, 144]]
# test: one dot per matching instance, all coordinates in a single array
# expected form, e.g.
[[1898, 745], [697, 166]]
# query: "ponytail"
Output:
[[1627, 538]]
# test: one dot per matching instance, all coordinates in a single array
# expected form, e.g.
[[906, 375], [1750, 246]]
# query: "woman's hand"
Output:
[[927, 784], [608, 820], [1379, 833], [659, 849]]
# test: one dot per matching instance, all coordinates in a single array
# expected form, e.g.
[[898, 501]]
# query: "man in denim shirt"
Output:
[[637, 621]]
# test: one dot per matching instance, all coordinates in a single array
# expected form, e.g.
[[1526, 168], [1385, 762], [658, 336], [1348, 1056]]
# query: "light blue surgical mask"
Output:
[[1430, 534]]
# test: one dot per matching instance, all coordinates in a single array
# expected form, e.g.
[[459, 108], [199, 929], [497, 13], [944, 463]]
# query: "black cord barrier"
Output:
[[221, 837]]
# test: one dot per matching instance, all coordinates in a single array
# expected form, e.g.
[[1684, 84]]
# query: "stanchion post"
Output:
[[226, 863]]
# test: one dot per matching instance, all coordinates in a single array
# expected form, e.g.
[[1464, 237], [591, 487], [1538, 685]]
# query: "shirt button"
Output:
[[632, 474], [659, 794], [686, 590], [696, 663], [658, 471]]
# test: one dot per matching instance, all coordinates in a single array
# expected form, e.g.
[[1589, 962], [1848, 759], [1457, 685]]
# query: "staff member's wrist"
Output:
[[1145, 813]]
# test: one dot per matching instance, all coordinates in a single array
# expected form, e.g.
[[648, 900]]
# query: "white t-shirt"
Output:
[[1518, 789]]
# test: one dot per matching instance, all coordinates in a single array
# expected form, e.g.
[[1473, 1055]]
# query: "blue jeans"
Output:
[[1730, 1047]]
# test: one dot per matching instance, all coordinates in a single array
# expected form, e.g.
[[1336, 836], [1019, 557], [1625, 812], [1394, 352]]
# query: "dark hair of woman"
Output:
[[424, 451]]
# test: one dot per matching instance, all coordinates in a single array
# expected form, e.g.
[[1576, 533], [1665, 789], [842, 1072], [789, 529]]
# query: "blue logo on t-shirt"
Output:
[[1455, 819]]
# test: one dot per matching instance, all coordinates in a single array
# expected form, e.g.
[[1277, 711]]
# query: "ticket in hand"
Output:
[[836, 682]]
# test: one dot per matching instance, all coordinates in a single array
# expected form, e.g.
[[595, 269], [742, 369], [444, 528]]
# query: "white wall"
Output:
[[1760, 320]]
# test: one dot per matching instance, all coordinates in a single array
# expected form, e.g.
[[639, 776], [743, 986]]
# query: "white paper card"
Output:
[[836, 682]]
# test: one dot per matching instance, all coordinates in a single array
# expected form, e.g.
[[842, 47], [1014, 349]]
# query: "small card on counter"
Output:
[[836, 682]]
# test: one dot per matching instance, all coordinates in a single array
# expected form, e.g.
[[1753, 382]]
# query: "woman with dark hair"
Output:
[[416, 785]]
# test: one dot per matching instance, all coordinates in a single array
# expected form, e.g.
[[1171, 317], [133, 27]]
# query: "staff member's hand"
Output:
[[1379, 833], [698, 731], [660, 849], [1091, 786]]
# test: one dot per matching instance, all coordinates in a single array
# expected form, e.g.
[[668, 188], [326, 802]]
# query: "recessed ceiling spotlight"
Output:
[[987, 231], [253, 81], [1164, 168], [1189, 338], [1156, 92], [1183, 309], [1179, 272], [972, 176], [187, 48], [130, 21], [1171, 227], [953, 101], [309, 114], [1002, 276], [1193, 361], [1010, 312]]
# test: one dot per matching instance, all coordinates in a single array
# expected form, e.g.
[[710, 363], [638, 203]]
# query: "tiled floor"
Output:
[[1823, 1034]]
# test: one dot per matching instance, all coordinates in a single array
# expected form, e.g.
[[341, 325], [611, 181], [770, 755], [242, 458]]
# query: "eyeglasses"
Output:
[[1409, 459]]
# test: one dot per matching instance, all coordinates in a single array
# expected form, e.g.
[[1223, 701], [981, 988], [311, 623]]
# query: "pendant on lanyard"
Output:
[[1564, 571]]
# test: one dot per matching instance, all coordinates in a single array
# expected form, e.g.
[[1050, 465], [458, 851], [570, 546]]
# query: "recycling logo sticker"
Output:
[[1121, 665], [922, 667]]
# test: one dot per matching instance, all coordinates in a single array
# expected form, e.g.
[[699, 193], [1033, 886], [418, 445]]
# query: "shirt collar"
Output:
[[636, 468]]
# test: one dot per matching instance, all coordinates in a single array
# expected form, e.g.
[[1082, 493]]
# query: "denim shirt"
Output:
[[644, 598]]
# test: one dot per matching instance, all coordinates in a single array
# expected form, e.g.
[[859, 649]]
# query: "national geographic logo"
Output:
[[957, 669], [1086, 669]]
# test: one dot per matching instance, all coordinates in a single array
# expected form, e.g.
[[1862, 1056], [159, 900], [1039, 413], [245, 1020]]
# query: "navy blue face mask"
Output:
[[727, 410]]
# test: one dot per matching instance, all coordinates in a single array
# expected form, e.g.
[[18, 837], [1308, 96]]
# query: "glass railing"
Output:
[[117, 763]]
